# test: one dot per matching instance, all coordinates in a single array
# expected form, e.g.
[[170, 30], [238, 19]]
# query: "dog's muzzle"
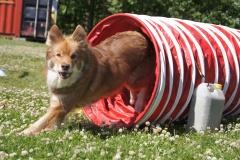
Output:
[[64, 75]]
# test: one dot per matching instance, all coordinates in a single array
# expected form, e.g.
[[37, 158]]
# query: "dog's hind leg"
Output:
[[141, 100], [133, 97]]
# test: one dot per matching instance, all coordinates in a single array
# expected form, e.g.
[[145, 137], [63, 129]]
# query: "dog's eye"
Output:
[[73, 56], [58, 55]]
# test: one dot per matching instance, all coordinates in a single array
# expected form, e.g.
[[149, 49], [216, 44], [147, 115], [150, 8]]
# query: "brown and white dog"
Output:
[[79, 74]]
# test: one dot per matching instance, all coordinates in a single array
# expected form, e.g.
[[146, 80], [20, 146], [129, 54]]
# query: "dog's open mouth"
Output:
[[64, 75]]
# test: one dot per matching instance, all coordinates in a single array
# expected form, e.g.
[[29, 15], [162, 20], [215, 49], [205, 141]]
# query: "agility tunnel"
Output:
[[185, 50]]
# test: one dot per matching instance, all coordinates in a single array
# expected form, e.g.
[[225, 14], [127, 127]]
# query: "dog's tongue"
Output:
[[64, 75]]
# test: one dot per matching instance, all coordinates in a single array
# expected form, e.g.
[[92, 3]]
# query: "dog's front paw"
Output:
[[30, 131]]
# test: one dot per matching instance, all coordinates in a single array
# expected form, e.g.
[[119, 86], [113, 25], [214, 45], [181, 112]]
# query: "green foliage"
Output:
[[223, 12], [71, 13], [89, 12]]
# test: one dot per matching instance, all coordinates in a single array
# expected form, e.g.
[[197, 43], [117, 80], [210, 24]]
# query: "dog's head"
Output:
[[65, 56]]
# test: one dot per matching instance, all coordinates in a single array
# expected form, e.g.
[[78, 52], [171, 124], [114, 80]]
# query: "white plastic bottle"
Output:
[[206, 107]]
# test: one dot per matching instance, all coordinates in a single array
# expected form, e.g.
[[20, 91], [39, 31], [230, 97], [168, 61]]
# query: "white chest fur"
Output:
[[54, 81]]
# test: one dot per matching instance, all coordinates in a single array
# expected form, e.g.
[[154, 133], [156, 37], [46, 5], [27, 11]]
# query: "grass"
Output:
[[24, 98], [23, 62]]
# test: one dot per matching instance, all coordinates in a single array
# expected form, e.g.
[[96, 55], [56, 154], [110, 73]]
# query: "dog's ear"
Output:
[[54, 36], [79, 34]]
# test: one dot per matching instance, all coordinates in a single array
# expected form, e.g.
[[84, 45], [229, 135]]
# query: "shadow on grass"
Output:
[[176, 128], [104, 132], [23, 75]]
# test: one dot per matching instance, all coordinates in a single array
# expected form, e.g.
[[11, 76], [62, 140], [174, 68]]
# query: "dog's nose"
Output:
[[65, 66]]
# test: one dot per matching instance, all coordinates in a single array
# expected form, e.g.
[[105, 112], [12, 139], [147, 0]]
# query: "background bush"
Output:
[[89, 12]]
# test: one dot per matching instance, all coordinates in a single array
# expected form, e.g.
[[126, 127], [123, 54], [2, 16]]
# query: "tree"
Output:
[[89, 12]]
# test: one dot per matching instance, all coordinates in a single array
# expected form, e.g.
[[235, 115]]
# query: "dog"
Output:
[[79, 74]]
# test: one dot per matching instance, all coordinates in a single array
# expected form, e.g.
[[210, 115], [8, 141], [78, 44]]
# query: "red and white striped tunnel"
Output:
[[178, 44]]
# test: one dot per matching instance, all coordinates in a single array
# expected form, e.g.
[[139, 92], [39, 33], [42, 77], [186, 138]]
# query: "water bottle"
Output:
[[206, 107]]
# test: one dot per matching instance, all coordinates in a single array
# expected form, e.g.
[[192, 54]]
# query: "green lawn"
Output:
[[24, 98]]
